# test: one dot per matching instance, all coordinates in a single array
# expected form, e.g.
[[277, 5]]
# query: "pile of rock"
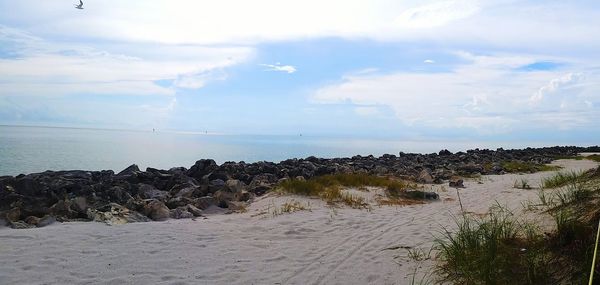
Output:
[[133, 195]]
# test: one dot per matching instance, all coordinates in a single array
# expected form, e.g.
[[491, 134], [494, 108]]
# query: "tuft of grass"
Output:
[[516, 166], [495, 249], [329, 188], [290, 207], [522, 184], [594, 157], [561, 179]]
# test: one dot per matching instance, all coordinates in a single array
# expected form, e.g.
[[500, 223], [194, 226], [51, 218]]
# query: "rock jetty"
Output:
[[133, 195]]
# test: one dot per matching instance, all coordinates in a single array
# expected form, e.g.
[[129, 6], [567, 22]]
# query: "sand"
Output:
[[323, 245]]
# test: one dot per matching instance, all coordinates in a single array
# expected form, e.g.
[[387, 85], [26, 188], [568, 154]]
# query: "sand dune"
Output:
[[322, 245]]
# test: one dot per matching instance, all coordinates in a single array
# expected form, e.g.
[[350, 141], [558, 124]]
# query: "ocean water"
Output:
[[36, 149]]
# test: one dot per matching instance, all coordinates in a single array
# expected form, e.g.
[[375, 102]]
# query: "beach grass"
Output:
[[516, 166], [329, 188], [501, 249], [561, 179]]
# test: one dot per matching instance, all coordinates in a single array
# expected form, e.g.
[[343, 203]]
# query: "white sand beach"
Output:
[[322, 245]]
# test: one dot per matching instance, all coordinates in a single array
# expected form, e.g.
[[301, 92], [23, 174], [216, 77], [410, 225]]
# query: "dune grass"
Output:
[[329, 188], [500, 249], [594, 157], [290, 207], [516, 166], [495, 249], [561, 179]]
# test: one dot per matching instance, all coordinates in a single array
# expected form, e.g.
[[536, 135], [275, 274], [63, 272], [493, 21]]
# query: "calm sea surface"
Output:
[[36, 149]]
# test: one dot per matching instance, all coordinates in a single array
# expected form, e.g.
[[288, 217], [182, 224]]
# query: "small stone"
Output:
[[456, 182], [46, 221]]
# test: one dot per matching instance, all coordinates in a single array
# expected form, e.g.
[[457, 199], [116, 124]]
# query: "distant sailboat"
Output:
[[80, 6]]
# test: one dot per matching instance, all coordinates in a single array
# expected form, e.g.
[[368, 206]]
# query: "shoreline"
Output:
[[133, 195], [322, 245]]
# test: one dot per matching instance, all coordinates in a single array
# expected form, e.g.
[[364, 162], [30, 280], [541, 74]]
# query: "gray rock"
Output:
[[132, 169], [456, 182], [149, 192], [156, 210], [195, 211], [79, 204], [181, 213], [425, 177], [205, 202], [115, 214], [46, 221]]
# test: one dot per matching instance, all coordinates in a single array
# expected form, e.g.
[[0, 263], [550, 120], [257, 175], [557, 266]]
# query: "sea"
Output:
[[26, 149]]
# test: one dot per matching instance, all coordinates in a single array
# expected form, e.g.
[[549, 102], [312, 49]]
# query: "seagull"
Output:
[[80, 6]]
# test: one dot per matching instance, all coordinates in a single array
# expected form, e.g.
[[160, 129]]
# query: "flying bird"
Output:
[[80, 6]]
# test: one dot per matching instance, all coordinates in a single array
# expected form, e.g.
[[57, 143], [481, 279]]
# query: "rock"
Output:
[[32, 220], [156, 210], [3, 223], [195, 211], [456, 182], [181, 213], [177, 202], [62, 208], [425, 177], [187, 192], [149, 192], [202, 167], [13, 214], [445, 152], [46, 221], [130, 170], [79, 205], [115, 214], [20, 225], [205, 202], [27, 186]]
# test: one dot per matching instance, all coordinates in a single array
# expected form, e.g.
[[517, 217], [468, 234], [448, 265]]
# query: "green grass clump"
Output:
[[526, 167], [290, 207], [594, 157], [496, 249], [562, 178], [329, 187]]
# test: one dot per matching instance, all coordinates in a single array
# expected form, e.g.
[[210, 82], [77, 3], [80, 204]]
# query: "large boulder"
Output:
[[156, 210], [181, 213], [130, 170], [150, 192], [202, 167], [115, 214], [425, 177]]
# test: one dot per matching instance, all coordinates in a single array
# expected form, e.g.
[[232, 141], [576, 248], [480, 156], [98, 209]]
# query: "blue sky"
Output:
[[451, 69]]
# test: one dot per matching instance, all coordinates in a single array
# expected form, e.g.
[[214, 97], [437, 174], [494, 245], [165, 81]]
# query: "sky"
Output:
[[450, 69]]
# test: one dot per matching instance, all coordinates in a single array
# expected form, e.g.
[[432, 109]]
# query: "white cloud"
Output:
[[366, 110], [279, 67], [486, 94], [497, 22], [45, 68], [554, 85], [430, 61], [437, 14]]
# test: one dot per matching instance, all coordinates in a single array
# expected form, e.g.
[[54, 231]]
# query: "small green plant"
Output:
[[516, 166], [290, 207], [329, 188], [495, 249], [561, 179], [594, 157]]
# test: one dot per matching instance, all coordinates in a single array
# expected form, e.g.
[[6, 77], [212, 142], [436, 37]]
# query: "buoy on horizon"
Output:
[[80, 6]]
